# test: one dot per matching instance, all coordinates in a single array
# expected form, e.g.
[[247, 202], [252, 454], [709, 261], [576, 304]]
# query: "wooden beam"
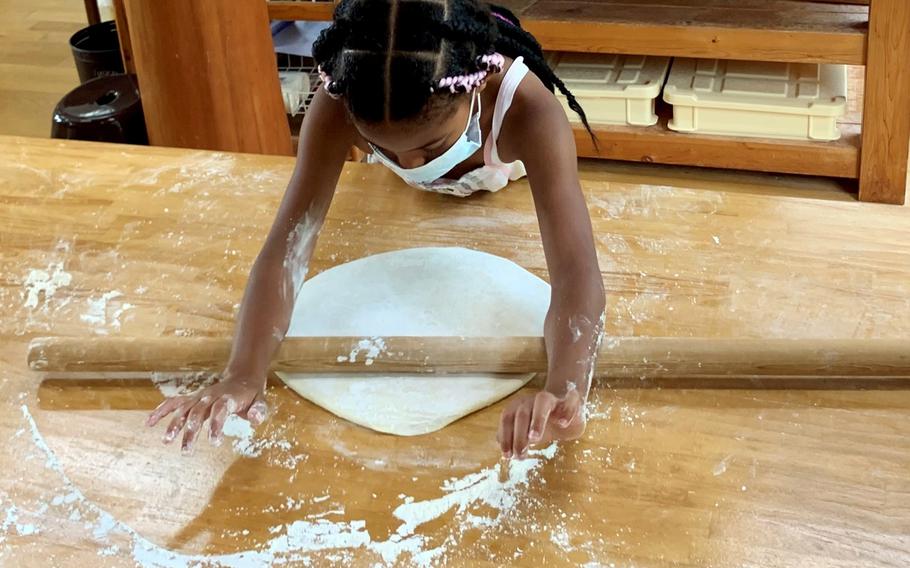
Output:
[[208, 75], [886, 114], [699, 42], [659, 144]]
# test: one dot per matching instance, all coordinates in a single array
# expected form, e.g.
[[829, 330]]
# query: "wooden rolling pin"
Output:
[[626, 357]]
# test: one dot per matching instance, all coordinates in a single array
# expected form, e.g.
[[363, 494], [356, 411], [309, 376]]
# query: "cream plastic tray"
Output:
[[753, 98], [613, 89]]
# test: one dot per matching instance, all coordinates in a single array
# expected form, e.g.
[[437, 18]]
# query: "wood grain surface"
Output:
[[102, 240], [208, 75], [770, 30], [885, 176]]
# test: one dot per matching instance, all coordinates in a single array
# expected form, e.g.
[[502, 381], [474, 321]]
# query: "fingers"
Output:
[[525, 422], [165, 408], [520, 431], [178, 421], [506, 427], [214, 404], [195, 418], [544, 403], [222, 408], [258, 410], [567, 410]]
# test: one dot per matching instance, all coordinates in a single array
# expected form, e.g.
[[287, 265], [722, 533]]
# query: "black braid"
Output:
[[514, 41], [383, 55]]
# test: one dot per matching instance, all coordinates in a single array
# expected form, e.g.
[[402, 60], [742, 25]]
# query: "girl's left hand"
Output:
[[539, 419]]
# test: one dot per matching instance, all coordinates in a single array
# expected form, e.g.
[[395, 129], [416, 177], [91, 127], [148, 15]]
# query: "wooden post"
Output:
[[92, 14], [208, 75], [123, 33], [886, 116]]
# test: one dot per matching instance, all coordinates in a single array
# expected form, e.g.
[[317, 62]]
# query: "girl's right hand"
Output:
[[241, 395]]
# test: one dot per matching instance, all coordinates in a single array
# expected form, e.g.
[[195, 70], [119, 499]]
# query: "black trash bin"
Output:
[[96, 50], [106, 109]]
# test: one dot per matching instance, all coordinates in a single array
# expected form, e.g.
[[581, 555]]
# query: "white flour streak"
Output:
[[575, 326], [296, 541], [721, 467], [339, 511], [299, 246], [45, 282], [482, 487]]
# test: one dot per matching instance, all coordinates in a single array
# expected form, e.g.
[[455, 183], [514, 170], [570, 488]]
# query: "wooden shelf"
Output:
[[313, 11], [767, 30], [659, 144]]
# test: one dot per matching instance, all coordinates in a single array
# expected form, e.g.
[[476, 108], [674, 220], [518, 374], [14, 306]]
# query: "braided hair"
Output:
[[385, 56]]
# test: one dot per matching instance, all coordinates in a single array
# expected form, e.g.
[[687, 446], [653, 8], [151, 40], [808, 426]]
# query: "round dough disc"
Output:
[[416, 292]]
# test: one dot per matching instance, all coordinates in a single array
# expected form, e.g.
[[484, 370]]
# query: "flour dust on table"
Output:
[[415, 292]]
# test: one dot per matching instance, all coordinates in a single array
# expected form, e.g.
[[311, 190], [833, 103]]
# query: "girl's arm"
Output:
[[325, 139], [540, 135]]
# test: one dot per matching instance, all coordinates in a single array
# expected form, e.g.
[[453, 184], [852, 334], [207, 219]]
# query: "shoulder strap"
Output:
[[507, 89]]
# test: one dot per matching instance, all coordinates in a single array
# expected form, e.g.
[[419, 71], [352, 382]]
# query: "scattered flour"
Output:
[[560, 537], [101, 315], [11, 520], [721, 467], [245, 443], [371, 348], [242, 432], [45, 282], [294, 542], [482, 487]]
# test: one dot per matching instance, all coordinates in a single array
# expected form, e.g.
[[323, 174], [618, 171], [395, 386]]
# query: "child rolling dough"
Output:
[[455, 98]]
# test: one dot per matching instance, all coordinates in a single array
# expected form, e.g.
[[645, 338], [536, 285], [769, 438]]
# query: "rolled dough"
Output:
[[415, 292]]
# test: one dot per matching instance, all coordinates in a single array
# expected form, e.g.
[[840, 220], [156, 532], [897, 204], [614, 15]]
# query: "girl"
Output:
[[454, 97]]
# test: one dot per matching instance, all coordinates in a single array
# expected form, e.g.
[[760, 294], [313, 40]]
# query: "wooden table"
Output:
[[157, 242]]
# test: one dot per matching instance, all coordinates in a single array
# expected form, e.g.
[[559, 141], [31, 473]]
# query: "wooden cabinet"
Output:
[[874, 33]]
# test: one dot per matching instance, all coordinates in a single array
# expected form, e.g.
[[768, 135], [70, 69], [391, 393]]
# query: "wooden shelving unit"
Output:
[[767, 30], [658, 144], [812, 31]]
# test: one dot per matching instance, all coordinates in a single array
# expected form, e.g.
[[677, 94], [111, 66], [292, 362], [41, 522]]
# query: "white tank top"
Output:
[[494, 174]]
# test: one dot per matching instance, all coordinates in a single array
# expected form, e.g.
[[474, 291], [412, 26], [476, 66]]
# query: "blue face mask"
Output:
[[465, 147]]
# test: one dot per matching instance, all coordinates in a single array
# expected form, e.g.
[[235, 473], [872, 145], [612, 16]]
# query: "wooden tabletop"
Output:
[[101, 239]]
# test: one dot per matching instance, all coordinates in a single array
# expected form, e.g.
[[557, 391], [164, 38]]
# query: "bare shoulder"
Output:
[[535, 123]]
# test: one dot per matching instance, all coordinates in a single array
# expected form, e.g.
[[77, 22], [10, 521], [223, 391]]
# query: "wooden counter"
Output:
[[99, 239]]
